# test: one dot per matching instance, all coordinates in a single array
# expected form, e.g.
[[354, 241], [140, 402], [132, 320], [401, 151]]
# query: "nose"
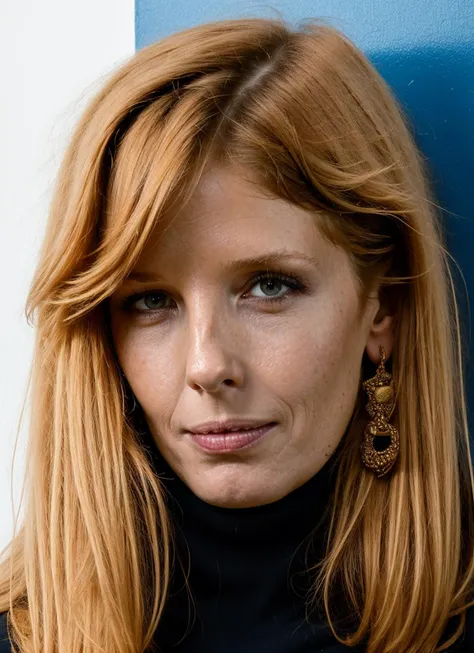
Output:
[[214, 350]]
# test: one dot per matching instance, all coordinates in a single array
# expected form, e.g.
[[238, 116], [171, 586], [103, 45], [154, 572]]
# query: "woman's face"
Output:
[[201, 339]]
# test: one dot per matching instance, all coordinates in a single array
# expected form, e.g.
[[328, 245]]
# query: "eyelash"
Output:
[[292, 282]]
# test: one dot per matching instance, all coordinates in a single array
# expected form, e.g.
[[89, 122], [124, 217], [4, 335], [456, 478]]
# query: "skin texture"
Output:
[[207, 344]]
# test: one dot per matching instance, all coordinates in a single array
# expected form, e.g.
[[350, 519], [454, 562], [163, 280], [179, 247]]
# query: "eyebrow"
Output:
[[240, 264]]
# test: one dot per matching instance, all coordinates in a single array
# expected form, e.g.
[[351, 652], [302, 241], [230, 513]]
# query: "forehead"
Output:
[[228, 216]]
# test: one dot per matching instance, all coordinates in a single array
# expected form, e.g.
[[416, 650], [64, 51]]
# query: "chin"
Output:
[[232, 490], [226, 501]]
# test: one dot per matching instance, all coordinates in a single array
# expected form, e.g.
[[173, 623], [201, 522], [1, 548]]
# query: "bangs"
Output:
[[150, 172]]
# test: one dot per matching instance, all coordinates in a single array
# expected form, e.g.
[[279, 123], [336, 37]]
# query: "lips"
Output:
[[231, 440]]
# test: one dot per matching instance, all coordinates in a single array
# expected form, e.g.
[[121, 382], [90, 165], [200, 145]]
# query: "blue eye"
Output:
[[151, 300], [154, 301], [271, 279]]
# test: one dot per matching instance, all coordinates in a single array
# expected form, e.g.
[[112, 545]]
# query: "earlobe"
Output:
[[381, 334]]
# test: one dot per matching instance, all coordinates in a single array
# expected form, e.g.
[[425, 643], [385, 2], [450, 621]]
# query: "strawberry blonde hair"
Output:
[[314, 124]]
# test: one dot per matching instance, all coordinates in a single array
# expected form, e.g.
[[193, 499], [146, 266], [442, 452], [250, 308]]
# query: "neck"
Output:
[[286, 536], [240, 571]]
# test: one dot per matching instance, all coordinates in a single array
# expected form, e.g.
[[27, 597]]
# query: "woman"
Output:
[[249, 421]]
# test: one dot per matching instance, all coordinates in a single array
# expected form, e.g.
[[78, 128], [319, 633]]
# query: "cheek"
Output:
[[148, 366], [318, 368]]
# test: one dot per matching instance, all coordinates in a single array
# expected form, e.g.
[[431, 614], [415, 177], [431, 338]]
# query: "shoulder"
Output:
[[5, 645]]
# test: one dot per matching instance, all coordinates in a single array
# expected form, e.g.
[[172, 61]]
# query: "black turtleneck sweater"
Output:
[[247, 572]]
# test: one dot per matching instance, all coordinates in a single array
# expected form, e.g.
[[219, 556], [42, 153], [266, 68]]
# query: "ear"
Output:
[[381, 334]]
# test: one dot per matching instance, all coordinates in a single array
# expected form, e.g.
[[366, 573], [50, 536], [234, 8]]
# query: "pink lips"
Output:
[[232, 440]]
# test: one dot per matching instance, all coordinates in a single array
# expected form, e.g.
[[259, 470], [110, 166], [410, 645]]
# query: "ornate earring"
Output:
[[381, 444]]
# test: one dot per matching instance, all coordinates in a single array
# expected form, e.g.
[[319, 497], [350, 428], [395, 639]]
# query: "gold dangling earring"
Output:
[[381, 457]]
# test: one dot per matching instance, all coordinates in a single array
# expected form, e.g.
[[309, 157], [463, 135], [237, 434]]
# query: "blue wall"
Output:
[[425, 51]]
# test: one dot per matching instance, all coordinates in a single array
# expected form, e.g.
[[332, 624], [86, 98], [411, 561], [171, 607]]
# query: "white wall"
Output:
[[53, 55]]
